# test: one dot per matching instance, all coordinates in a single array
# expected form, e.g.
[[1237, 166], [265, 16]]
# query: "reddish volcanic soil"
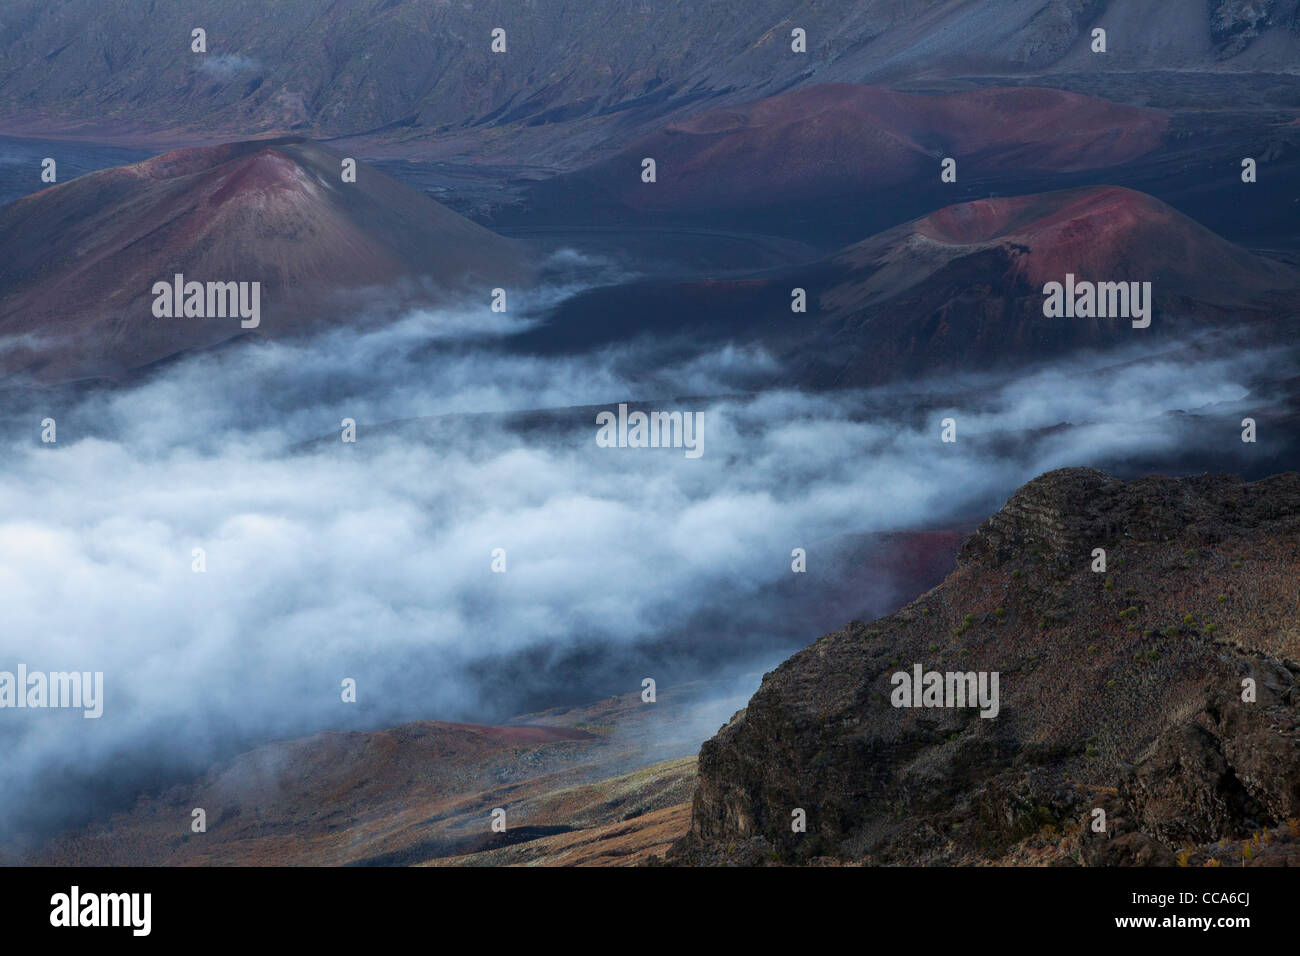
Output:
[[522, 735], [842, 139], [80, 258], [606, 783], [1096, 233], [915, 560], [961, 289]]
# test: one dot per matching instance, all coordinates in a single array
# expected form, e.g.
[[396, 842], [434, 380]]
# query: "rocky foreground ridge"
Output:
[[1120, 691]]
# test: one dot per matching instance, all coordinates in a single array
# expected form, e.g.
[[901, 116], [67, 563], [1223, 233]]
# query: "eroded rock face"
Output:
[[1121, 691]]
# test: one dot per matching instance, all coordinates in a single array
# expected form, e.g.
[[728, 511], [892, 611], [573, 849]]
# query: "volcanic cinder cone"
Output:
[[838, 141], [80, 259], [960, 289]]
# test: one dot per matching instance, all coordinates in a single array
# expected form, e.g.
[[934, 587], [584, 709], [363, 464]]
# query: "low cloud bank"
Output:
[[374, 560]]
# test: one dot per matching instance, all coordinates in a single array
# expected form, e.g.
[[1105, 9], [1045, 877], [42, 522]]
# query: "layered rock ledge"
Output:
[[1122, 691]]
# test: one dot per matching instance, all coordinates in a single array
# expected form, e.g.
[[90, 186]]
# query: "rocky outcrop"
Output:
[[1148, 713]]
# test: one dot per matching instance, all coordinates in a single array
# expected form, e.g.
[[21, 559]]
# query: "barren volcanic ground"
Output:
[[603, 784], [1162, 690], [80, 259], [783, 173], [839, 142], [1120, 690], [420, 75], [959, 289]]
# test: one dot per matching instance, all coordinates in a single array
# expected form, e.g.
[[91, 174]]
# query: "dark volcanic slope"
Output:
[[843, 142], [959, 289], [577, 73], [1120, 690], [78, 260]]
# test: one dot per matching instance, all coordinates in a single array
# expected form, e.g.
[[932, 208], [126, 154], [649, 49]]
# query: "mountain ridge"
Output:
[[417, 72]]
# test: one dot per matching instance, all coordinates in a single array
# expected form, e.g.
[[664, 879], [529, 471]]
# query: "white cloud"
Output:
[[373, 561]]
